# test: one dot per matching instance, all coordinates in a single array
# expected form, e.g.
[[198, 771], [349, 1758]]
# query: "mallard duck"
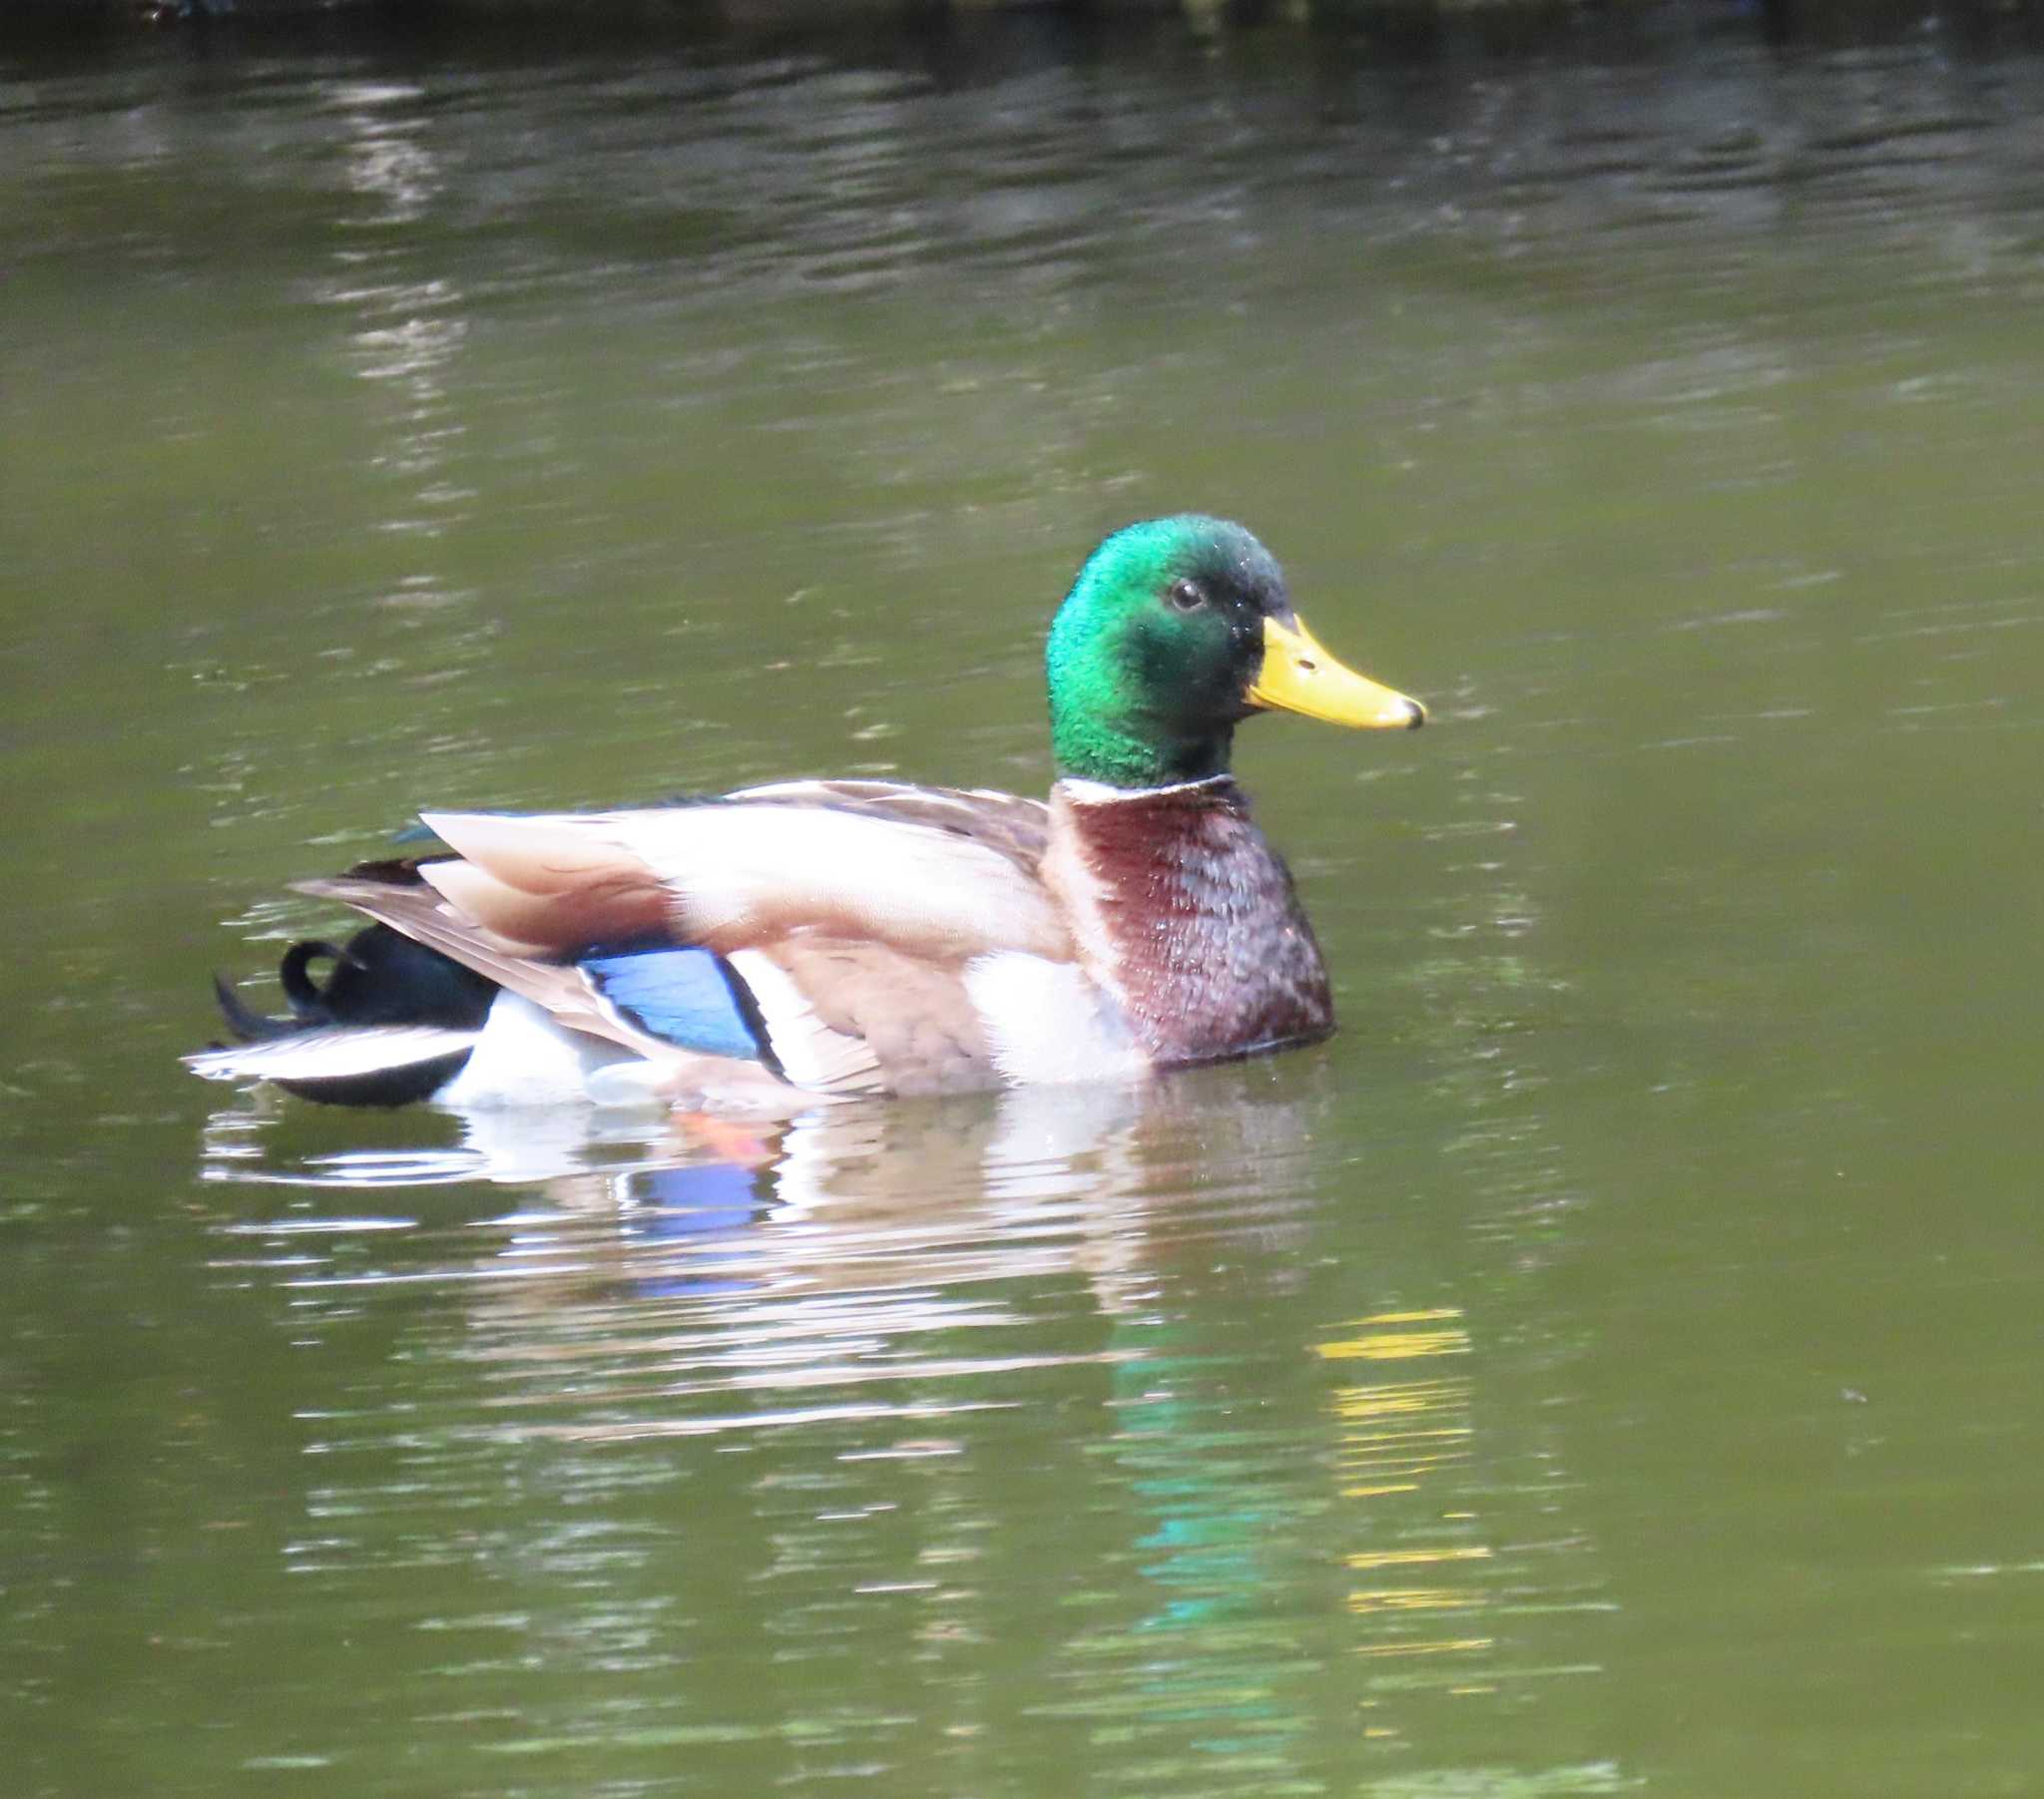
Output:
[[842, 938]]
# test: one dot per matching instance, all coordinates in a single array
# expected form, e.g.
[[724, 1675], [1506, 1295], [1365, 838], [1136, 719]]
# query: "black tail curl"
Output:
[[379, 977]]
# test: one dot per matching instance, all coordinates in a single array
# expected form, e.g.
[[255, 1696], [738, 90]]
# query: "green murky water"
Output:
[[1609, 1366]]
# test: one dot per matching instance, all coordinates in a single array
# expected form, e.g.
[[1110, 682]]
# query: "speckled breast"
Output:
[[1187, 916]]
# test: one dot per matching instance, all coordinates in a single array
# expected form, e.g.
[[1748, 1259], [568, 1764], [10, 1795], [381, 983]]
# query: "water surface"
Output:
[[1609, 1366]]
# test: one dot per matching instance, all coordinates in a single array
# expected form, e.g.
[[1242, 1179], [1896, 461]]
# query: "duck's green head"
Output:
[[1175, 632]]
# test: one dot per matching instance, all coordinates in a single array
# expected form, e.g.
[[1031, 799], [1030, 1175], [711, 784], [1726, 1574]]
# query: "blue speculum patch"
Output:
[[681, 996]]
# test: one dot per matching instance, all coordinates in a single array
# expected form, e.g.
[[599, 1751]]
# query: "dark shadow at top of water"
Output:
[[974, 46]]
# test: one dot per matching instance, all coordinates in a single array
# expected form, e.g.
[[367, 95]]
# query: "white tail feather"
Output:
[[341, 1052]]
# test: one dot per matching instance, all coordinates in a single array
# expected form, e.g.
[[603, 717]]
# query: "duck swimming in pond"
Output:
[[842, 937]]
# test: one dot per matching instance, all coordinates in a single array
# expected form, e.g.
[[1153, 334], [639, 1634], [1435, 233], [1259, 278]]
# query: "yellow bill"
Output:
[[1300, 676]]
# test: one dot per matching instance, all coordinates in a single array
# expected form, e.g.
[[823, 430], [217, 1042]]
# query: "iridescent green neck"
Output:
[[1127, 699], [1090, 747]]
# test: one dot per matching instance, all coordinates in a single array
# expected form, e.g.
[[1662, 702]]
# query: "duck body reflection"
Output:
[[842, 1380]]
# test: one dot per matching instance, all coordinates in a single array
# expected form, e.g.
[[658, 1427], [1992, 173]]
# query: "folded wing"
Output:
[[820, 929]]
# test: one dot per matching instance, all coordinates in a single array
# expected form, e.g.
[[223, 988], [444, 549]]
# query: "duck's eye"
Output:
[[1185, 596]]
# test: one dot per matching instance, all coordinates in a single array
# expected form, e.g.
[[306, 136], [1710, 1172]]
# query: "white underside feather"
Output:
[[523, 1058], [1046, 1021]]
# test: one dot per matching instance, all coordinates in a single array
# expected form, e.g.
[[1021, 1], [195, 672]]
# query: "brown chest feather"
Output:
[[1187, 915]]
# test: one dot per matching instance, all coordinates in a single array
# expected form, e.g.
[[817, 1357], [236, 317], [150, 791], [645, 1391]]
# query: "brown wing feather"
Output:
[[733, 874], [914, 1015]]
